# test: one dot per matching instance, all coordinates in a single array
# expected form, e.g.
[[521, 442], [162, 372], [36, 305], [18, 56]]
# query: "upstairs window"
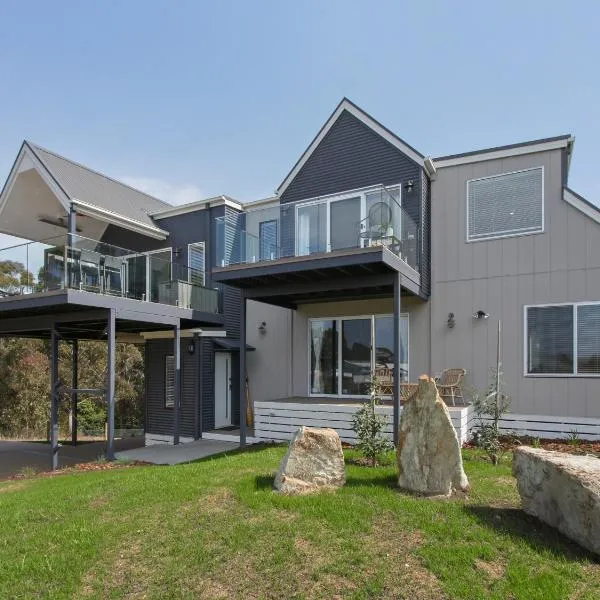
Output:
[[505, 205], [196, 263]]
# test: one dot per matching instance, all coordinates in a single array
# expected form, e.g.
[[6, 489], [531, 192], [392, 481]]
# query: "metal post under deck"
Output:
[[177, 383], [54, 397], [110, 384], [397, 350], [242, 374], [199, 349], [74, 396]]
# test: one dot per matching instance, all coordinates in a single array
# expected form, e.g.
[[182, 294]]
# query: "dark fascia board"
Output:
[[567, 139], [364, 117]]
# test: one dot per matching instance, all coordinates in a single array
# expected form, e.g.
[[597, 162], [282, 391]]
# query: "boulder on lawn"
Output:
[[429, 456], [314, 461], [563, 490]]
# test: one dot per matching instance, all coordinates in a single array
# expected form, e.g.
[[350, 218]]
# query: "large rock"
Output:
[[429, 457], [314, 460], [563, 490]]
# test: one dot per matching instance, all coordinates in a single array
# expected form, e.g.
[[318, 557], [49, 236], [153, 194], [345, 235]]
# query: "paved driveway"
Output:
[[16, 455]]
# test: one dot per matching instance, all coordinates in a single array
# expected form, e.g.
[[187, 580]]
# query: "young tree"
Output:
[[369, 425]]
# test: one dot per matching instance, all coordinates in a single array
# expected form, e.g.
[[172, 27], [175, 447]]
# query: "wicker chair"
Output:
[[449, 384], [406, 391]]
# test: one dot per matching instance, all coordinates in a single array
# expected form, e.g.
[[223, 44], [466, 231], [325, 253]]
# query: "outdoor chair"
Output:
[[385, 378], [406, 391], [449, 384]]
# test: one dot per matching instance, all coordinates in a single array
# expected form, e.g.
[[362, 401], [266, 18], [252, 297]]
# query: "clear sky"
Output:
[[193, 99]]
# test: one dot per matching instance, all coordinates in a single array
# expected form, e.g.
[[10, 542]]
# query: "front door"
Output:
[[222, 389]]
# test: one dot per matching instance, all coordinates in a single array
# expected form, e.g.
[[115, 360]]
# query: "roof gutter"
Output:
[[113, 218]]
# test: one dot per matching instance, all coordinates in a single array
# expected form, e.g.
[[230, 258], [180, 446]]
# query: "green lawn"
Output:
[[214, 529]]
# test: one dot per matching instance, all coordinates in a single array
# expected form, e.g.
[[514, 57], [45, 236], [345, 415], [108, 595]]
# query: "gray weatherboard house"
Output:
[[370, 256]]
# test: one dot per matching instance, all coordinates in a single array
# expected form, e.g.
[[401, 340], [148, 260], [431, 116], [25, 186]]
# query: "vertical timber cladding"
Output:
[[159, 419], [353, 156]]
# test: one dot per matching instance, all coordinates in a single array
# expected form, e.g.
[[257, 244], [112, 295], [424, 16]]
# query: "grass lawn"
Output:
[[214, 529]]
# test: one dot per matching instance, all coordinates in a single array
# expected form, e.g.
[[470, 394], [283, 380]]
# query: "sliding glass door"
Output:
[[344, 223], [342, 354]]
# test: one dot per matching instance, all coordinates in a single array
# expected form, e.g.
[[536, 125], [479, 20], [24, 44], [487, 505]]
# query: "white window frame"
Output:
[[197, 245], [574, 306], [339, 393], [169, 403], [328, 200], [515, 233]]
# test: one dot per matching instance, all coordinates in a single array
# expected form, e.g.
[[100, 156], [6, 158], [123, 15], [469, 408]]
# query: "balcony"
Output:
[[72, 262], [358, 219]]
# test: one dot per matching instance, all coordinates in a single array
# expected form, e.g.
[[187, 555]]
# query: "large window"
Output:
[[342, 354], [169, 381], [563, 339], [505, 205], [267, 239]]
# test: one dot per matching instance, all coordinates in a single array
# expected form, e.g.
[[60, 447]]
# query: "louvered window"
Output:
[[169, 381], [563, 339], [196, 263], [505, 205]]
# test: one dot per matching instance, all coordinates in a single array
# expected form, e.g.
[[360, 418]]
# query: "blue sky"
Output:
[[193, 99]]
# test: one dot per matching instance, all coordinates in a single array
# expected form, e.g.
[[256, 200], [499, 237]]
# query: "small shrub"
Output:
[[573, 438], [369, 425], [489, 409], [536, 442]]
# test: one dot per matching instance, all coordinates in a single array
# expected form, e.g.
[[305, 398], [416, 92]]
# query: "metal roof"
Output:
[[91, 187]]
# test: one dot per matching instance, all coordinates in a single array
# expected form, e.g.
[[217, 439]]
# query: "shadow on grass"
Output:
[[374, 479], [264, 482], [519, 525]]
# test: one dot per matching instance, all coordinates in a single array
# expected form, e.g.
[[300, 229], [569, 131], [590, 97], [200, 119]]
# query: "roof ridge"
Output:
[[82, 166]]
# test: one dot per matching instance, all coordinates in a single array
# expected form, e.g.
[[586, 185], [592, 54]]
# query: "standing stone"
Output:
[[563, 490], [314, 460], [429, 457]]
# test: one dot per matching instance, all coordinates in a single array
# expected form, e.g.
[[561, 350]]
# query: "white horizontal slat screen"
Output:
[[507, 204]]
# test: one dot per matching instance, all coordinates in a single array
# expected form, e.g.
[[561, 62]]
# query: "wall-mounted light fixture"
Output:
[[176, 252], [451, 322], [480, 314], [191, 347], [409, 186], [262, 328]]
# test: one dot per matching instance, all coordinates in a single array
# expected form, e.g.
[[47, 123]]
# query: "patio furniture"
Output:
[[406, 391], [385, 378], [449, 384]]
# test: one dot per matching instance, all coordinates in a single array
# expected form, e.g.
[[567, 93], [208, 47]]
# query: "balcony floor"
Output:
[[83, 315], [341, 274]]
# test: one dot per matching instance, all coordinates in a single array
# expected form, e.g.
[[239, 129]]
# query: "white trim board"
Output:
[[575, 201], [198, 205], [346, 105], [497, 153]]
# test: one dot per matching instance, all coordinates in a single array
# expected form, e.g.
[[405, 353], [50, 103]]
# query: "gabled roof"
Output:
[[369, 121], [93, 190]]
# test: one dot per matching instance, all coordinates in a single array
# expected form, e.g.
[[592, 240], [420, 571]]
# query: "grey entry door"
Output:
[[222, 389], [344, 223]]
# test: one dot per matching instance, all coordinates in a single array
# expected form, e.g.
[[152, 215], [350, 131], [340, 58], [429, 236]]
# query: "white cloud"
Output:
[[163, 190]]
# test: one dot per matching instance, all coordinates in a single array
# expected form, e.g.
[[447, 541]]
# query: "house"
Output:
[[372, 257]]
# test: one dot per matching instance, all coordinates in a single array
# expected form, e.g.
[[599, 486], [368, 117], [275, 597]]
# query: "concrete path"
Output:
[[166, 454], [16, 455]]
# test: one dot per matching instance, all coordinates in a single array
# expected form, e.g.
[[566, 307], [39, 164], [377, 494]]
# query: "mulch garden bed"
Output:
[[576, 446], [90, 466]]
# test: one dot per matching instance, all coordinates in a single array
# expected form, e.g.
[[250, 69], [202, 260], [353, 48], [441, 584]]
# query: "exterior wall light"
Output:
[[410, 184], [451, 322], [262, 328], [191, 348], [480, 314]]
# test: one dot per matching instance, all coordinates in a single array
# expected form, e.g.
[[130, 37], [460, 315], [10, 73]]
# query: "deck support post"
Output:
[[74, 386], [199, 396], [242, 374], [397, 351], [177, 383], [110, 384], [54, 397]]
